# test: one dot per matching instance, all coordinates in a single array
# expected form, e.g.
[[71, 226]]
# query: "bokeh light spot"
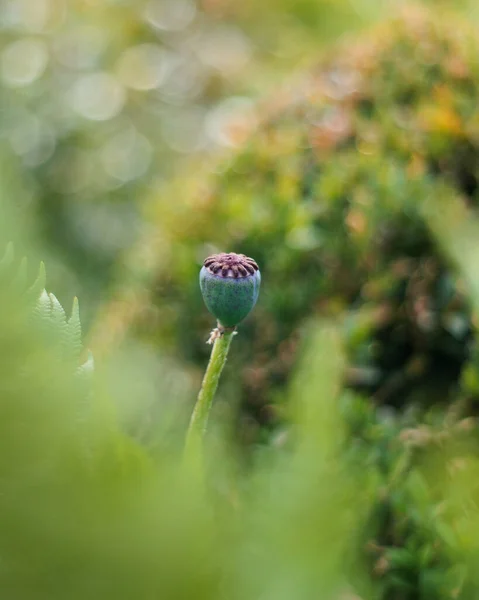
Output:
[[142, 67], [224, 48], [23, 62], [81, 47], [170, 15], [126, 155], [184, 79], [28, 15], [97, 96], [31, 139], [229, 123]]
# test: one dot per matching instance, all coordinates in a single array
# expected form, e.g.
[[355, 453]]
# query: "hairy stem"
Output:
[[199, 418]]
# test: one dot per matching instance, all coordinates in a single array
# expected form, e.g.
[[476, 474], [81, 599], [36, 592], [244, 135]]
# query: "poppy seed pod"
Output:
[[230, 286]]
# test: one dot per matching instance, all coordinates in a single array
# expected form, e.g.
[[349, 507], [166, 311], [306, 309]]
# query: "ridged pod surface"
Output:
[[230, 286]]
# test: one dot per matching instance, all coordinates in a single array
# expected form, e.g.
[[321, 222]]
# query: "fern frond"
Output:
[[73, 329], [87, 368], [46, 309], [42, 306]]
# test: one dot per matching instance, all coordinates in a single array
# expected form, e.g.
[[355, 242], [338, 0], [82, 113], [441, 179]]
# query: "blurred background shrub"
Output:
[[100, 100], [103, 102], [328, 195]]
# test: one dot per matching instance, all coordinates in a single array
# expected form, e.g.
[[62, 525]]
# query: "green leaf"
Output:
[[20, 278], [35, 290], [7, 259], [73, 330]]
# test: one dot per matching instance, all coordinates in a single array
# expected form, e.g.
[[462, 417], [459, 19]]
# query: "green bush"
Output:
[[344, 195], [328, 197]]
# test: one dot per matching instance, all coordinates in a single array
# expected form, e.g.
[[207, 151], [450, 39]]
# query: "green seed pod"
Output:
[[230, 286]]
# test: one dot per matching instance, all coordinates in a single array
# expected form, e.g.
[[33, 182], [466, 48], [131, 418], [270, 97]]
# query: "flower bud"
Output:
[[230, 286]]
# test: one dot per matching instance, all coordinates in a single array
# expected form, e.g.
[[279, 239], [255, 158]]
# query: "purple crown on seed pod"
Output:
[[230, 285]]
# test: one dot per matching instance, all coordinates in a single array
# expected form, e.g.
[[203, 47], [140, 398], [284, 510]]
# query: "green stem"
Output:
[[199, 418]]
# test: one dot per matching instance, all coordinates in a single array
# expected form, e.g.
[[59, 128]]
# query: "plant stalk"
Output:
[[219, 353]]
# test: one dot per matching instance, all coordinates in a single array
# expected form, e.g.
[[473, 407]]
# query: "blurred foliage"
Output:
[[101, 100], [86, 512], [342, 195], [327, 196]]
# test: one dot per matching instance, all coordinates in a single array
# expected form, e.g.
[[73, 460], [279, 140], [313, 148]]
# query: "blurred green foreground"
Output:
[[85, 512]]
